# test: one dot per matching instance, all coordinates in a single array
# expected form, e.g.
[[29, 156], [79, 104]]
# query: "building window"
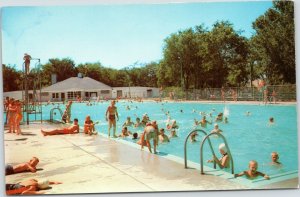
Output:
[[73, 95], [104, 91], [45, 93], [55, 95], [70, 95]]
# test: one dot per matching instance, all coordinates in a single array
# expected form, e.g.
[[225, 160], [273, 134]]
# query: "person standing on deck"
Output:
[[110, 115]]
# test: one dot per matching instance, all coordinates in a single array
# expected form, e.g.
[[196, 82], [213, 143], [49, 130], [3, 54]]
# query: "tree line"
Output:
[[196, 58]]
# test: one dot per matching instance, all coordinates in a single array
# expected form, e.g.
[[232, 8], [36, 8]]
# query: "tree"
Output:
[[275, 43], [11, 78], [226, 59], [92, 70], [64, 69]]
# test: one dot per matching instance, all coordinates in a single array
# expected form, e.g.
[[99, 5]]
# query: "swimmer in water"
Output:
[[223, 162], [274, 158], [252, 172]]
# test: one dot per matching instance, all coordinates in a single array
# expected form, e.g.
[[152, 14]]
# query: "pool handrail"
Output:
[[226, 145], [51, 113], [185, 146]]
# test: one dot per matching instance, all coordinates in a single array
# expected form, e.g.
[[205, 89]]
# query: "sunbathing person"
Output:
[[31, 186], [74, 129], [23, 167], [252, 173]]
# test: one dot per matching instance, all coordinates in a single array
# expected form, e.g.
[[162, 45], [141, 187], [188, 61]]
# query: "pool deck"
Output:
[[97, 164]]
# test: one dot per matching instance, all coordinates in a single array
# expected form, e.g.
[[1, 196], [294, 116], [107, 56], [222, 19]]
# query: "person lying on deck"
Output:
[[74, 129], [31, 186], [23, 167]]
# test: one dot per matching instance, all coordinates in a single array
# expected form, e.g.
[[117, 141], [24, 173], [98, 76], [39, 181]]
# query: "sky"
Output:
[[115, 35]]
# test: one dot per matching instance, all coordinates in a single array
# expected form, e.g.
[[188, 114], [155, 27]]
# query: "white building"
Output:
[[86, 88], [71, 88], [134, 92]]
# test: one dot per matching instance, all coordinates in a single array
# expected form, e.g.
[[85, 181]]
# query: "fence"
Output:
[[271, 92]]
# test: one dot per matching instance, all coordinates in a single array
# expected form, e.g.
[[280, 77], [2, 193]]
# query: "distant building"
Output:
[[86, 88], [135, 92], [69, 89]]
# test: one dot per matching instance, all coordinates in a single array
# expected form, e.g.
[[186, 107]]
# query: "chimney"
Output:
[[53, 78]]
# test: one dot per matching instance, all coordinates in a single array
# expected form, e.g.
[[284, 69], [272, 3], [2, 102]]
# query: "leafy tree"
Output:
[[92, 70], [227, 56], [11, 78], [274, 43], [64, 69]]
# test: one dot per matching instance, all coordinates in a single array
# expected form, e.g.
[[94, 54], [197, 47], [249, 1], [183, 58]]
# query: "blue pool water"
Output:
[[249, 137]]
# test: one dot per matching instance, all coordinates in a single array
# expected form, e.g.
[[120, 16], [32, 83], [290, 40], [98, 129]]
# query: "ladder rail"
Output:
[[185, 146], [52, 111], [226, 145]]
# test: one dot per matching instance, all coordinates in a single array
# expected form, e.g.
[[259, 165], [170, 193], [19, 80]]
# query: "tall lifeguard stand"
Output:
[[31, 80]]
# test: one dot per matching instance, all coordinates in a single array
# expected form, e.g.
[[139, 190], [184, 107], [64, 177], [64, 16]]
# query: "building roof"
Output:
[[74, 84]]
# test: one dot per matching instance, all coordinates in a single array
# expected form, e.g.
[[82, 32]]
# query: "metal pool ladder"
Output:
[[52, 111], [226, 145], [185, 147]]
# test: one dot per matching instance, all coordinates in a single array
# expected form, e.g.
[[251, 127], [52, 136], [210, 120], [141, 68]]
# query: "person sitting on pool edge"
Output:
[[223, 162], [23, 167], [74, 129], [89, 126], [252, 172]]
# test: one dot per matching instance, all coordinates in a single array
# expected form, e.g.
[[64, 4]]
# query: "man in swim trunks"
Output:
[[74, 129], [110, 115], [23, 167]]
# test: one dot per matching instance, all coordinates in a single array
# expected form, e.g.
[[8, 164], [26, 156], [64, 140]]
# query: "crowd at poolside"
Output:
[[150, 132]]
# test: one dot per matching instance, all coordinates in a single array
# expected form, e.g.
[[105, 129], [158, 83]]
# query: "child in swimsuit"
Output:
[[252, 172]]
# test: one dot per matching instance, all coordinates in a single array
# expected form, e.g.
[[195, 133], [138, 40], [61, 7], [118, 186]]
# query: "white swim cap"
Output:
[[43, 184], [223, 148]]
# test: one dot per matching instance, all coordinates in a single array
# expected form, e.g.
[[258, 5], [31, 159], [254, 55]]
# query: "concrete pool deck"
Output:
[[96, 164]]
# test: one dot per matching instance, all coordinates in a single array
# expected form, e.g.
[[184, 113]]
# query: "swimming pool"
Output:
[[249, 137]]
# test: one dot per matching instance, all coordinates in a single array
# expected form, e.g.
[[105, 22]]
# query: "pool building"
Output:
[[87, 89]]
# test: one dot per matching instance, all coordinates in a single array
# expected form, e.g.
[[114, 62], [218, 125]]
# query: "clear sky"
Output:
[[115, 35]]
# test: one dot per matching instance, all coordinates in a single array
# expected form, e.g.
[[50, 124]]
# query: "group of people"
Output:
[[30, 186], [13, 109], [150, 131]]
